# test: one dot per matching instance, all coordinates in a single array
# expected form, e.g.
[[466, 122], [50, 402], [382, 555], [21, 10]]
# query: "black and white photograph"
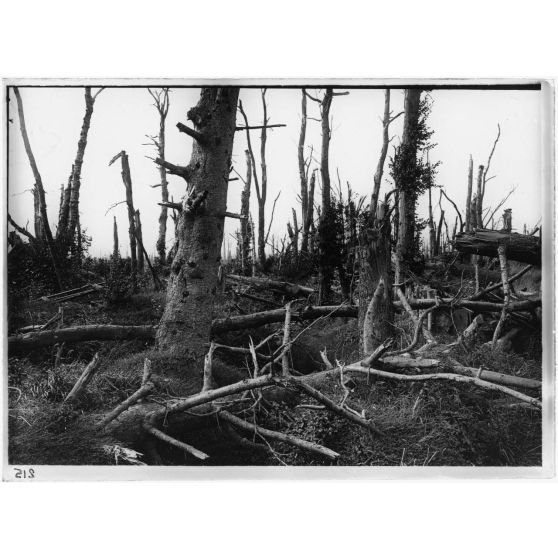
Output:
[[271, 275]]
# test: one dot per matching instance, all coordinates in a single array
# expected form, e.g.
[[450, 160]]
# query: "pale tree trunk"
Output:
[[327, 237], [39, 187], [139, 238], [127, 180], [115, 249], [38, 220], [73, 210], [478, 207], [383, 154], [246, 224], [262, 199], [64, 211], [407, 192], [161, 99], [469, 195], [193, 283], [303, 174]]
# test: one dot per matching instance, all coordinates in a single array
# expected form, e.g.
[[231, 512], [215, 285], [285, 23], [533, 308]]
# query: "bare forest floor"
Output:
[[425, 423]]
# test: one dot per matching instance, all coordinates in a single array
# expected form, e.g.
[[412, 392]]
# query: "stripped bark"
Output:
[[139, 238]]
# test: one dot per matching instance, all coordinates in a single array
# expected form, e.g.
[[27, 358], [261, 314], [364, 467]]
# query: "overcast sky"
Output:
[[464, 122]]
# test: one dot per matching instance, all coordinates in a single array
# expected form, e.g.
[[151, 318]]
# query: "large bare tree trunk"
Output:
[[39, 187], [383, 154], [303, 174], [327, 236], [246, 223], [193, 283], [127, 180], [375, 312], [161, 99], [73, 210], [406, 187]]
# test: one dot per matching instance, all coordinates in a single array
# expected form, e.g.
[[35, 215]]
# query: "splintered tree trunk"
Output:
[[139, 238], [64, 211], [327, 236], [485, 242], [478, 206], [303, 174], [162, 105], [375, 312], [193, 283], [406, 186], [115, 250], [127, 179], [383, 154], [246, 224], [469, 194], [73, 216], [431, 227], [39, 187], [308, 225], [38, 220]]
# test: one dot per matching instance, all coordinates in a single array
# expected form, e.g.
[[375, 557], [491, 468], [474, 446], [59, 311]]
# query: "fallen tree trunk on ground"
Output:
[[399, 362], [36, 340], [273, 316], [519, 247], [99, 332], [270, 284]]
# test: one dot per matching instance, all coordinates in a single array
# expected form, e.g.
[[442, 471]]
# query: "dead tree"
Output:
[[193, 282], [306, 195], [115, 250], [73, 210], [40, 190], [484, 242], [261, 188], [246, 224], [469, 195], [387, 120], [478, 198], [405, 182], [139, 238], [161, 103], [375, 312], [431, 225], [37, 218], [127, 180], [328, 249]]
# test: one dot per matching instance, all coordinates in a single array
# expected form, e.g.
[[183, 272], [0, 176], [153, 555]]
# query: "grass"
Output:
[[425, 424]]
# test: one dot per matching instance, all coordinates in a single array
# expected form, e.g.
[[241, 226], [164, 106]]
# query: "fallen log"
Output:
[[270, 284], [258, 319], [484, 242], [398, 362], [36, 340], [83, 380], [474, 305], [279, 436]]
